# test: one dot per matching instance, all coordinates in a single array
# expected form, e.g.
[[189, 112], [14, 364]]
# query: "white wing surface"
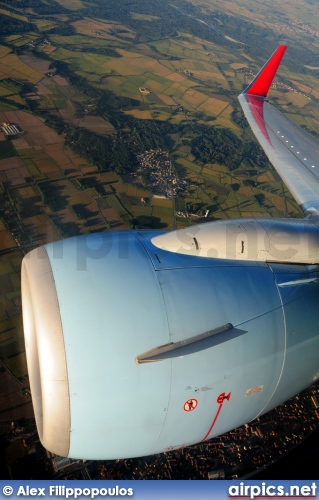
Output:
[[292, 151]]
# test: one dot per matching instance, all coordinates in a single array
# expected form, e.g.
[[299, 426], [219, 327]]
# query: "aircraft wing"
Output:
[[292, 151]]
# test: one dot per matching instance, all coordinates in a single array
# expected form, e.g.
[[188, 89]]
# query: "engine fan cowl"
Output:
[[90, 305]]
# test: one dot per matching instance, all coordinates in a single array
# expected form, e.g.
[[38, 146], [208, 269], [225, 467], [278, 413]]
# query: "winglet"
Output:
[[261, 83]]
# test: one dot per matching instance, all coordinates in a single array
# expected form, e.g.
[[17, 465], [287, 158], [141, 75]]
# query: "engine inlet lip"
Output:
[[45, 351]]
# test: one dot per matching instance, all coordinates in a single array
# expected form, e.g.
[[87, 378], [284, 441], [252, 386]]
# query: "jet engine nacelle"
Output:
[[268, 240], [134, 350]]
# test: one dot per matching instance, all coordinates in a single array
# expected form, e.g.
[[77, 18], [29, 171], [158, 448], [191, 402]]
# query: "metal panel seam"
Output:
[[285, 345]]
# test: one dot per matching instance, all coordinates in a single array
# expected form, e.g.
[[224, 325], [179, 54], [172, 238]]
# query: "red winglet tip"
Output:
[[261, 83]]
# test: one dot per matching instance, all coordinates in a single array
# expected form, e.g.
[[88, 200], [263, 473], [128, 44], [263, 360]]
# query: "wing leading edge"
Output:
[[291, 150]]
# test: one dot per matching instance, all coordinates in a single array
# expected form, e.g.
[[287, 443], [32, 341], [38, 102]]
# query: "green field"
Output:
[[114, 202]]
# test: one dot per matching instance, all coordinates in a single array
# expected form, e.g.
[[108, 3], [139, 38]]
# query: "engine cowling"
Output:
[[132, 349]]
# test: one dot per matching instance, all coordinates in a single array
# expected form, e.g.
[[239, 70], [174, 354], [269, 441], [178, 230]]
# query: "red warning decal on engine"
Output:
[[220, 400], [222, 397], [190, 404]]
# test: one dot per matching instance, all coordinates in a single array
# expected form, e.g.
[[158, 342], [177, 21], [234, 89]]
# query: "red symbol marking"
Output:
[[220, 400], [222, 397], [190, 404]]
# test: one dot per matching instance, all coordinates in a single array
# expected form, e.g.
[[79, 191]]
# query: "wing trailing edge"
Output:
[[293, 152]]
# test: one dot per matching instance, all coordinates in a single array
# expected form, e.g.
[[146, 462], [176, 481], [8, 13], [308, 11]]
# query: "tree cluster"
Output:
[[107, 153], [10, 25], [213, 145], [40, 7]]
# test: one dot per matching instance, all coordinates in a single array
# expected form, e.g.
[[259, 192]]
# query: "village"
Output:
[[157, 170]]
